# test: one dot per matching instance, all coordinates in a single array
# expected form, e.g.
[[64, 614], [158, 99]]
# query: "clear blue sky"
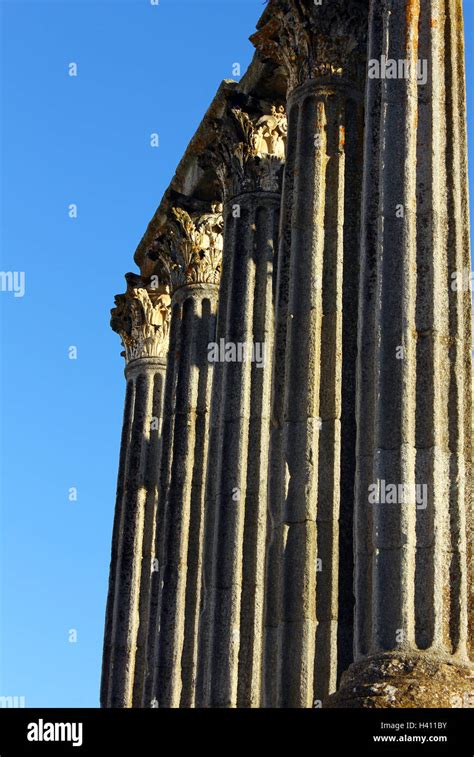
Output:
[[84, 140]]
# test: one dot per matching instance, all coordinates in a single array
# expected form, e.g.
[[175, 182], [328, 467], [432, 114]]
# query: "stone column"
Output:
[[414, 412], [141, 317], [194, 255], [249, 160], [322, 50]]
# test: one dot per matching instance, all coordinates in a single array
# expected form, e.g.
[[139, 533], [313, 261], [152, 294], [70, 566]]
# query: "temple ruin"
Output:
[[319, 213]]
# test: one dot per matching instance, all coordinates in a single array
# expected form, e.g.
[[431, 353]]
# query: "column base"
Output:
[[398, 680]]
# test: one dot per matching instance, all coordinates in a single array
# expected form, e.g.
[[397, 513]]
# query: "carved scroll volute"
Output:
[[313, 41], [248, 153], [191, 247], [142, 318]]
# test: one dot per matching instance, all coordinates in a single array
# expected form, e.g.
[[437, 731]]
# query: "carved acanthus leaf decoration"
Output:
[[142, 318], [193, 247], [249, 151], [313, 41]]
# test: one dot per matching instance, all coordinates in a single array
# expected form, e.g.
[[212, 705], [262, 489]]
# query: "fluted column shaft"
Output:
[[322, 50], [141, 318], [415, 423], [194, 309], [414, 412], [195, 253], [303, 563], [236, 500], [133, 535]]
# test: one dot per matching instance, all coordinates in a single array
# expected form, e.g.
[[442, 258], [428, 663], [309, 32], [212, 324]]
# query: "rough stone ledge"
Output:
[[397, 680]]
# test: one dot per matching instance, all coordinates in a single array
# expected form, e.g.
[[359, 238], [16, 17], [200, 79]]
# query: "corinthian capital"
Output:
[[191, 249], [142, 317], [249, 151], [312, 41]]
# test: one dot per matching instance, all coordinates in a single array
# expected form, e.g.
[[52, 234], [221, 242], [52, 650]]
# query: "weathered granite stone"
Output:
[[399, 680], [321, 51], [192, 253], [141, 317], [414, 405], [249, 162], [314, 515]]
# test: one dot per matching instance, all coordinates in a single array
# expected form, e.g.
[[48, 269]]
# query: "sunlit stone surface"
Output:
[[293, 523]]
